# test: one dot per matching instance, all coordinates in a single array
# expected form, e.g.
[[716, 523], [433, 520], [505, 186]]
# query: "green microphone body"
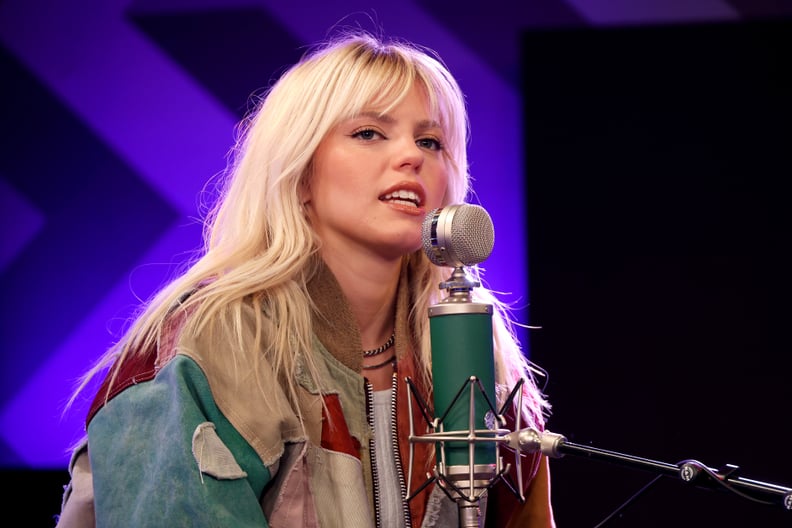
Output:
[[462, 347]]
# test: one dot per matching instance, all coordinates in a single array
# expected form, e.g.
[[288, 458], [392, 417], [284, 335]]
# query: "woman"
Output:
[[255, 388]]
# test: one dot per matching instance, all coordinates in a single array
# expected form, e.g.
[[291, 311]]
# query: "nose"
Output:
[[408, 155]]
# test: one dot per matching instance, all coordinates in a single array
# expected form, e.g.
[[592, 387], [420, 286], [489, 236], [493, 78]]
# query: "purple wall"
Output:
[[116, 113]]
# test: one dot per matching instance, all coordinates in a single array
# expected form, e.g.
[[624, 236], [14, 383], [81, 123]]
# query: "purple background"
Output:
[[115, 114]]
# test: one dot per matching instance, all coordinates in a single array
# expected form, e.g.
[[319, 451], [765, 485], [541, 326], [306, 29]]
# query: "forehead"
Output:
[[387, 110]]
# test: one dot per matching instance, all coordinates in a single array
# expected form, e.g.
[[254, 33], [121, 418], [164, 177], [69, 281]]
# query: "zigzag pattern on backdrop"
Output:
[[116, 113]]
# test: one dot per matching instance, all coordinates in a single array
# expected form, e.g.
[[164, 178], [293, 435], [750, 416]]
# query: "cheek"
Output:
[[324, 178], [438, 189], [340, 169]]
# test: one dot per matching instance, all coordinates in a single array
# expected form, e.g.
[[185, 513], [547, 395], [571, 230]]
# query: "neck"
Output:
[[370, 287]]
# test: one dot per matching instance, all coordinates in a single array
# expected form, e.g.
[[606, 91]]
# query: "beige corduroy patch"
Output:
[[213, 456]]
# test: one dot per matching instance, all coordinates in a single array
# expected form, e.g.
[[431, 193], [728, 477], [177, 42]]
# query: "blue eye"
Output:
[[367, 134], [429, 143]]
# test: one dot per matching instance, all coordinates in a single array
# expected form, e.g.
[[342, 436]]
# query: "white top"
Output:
[[391, 512]]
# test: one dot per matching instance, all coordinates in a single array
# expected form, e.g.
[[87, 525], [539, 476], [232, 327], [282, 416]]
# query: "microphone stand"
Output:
[[690, 471], [468, 488], [465, 488], [469, 493]]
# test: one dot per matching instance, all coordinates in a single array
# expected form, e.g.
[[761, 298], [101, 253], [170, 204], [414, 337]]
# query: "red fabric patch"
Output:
[[134, 370], [137, 368], [335, 433]]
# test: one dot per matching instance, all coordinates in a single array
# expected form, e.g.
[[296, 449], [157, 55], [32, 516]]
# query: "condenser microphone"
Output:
[[458, 235], [462, 358]]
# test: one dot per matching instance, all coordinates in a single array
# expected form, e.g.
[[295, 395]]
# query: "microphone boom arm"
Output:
[[690, 471], [529, 440]]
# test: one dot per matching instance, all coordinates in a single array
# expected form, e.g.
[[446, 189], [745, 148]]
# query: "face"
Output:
[[375, 178]]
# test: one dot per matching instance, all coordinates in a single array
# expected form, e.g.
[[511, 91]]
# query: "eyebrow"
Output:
[[385, 118]]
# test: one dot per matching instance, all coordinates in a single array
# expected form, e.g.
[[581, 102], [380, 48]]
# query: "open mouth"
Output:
[[402, 197]]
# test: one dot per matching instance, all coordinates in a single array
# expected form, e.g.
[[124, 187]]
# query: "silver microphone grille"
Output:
[[458, 235]]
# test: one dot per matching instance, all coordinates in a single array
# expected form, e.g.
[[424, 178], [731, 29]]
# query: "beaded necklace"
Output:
[[382, 348]]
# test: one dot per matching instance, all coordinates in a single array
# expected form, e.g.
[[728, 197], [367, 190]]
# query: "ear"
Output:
[[304, 192]]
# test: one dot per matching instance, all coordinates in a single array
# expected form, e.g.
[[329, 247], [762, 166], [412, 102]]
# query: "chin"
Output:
[[401, 248]]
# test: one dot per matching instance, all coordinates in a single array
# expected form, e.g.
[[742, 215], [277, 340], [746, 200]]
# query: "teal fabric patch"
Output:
[[145, 474]]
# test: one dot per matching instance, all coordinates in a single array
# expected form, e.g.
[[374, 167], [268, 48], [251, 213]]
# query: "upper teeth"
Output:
[[403, 194]]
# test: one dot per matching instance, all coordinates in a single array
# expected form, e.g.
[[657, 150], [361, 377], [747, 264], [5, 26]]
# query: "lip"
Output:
[[411, 186], [407, 209]]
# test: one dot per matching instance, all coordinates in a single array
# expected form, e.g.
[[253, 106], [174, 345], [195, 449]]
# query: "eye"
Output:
[[367, 134], [430, 143]]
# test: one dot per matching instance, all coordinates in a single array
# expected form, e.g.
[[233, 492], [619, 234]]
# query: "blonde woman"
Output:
[[256, 388]]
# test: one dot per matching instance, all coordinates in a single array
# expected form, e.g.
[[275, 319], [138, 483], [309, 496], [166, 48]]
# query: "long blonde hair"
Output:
[[258, 245]]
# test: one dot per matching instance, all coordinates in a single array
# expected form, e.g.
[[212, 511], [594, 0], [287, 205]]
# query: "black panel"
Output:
[[33, 497], [655, 160], [232, 52]]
